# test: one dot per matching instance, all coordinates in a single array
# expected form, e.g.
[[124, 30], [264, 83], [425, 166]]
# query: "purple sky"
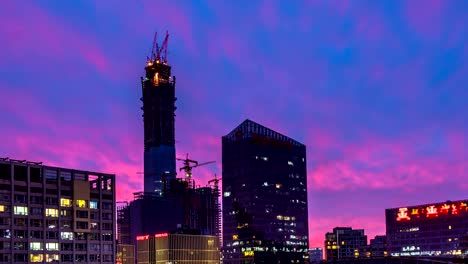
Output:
[[377, 90]]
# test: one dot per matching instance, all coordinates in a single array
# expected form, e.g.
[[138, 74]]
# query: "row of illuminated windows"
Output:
[[51, 212], [64, 202], [51, 224], [40, 257], [40, 246], [22, 234], [56, 258]]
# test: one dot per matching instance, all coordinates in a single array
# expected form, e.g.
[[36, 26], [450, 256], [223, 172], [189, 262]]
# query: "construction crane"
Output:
[[216, 181], [159, 54], [188, 167]]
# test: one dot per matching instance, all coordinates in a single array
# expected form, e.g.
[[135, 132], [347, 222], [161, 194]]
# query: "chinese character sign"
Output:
[[432, 211], [403, 214]]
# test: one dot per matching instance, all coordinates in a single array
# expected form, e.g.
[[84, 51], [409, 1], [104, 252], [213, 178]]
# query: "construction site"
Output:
[[168, 203]]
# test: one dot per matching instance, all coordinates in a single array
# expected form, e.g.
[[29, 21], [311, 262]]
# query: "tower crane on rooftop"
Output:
[[188, 166], [159, 53]]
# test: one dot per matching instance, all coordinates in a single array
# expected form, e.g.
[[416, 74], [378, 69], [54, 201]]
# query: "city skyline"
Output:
[[375, 90]]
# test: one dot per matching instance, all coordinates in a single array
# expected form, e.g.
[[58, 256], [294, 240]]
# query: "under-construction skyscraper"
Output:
[[158, 89]]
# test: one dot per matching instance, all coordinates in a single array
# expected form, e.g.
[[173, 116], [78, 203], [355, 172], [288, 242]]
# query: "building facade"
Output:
[[345, 243], [50, 214], [178, 248], [378, 247], [437, 229], [265, 213], [125, 254], [315, 255], [158, 97]]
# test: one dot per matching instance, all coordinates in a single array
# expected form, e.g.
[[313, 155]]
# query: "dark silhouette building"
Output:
[[315, 255], [345, 243], [436, 229], [265, 214], [158, 97], [378, 247]]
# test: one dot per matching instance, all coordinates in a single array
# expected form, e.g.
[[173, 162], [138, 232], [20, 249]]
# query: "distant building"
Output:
[[345, 243], [315, 255], [178, 247], [378, 247], [125, 254], [435, 229], [180, 205], [50, 214], [265, 217]]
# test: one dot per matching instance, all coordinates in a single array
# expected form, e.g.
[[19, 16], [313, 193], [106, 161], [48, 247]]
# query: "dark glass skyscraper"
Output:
[[265, 216], [158, 88]]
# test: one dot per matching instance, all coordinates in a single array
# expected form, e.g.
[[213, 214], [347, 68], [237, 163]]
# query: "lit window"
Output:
[[2, 208], [278, 186], [52, 257], [290, 163], [66, 235], [65, 202], [227, 194], [52, 246], [51, 212], [20, 210], [81, 203], [279, 217], [36, 257], [35, 246], [93, 205]]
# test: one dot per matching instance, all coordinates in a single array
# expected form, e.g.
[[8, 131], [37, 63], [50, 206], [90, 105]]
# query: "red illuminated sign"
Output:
[[403, 214], [161, 235], [432, 211], [142, 237]]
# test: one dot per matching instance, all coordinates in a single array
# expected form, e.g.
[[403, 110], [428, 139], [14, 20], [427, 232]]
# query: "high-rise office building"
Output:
[[345, 243], [50, 214], [182, 246], [158, 97], [436, 229], [265, 214]]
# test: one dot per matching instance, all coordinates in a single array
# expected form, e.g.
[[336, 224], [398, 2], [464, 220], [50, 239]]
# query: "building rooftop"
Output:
[[249, 128]]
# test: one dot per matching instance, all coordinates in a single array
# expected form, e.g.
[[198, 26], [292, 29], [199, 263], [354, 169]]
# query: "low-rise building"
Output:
[[178, 247]]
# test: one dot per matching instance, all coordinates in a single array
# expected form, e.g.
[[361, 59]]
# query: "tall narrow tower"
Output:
[[158, 89]]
